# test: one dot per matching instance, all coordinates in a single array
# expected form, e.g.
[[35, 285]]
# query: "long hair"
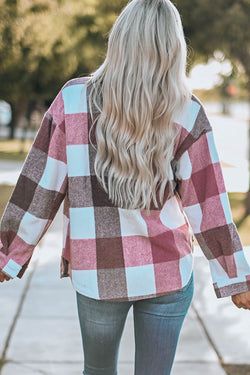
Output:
[[138, 90]]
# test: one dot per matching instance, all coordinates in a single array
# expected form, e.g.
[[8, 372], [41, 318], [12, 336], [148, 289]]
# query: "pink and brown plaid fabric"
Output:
[[109, 252]]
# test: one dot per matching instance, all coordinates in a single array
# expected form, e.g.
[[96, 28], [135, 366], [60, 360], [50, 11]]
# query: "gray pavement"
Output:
[[39, 326]]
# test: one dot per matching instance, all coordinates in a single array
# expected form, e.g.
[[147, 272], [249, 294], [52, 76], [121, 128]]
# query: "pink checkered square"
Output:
[[77, 133], [83, 254], [188, 193], [212, 213], [167, 276], [227, 262], [137, 251], [57, 147], [154, 224], [23, 251], [202, 159]]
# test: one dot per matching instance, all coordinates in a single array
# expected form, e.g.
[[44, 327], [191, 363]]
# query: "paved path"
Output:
[[231, 138], [9, 171]]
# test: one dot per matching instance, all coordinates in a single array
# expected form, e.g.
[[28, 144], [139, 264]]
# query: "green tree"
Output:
[[223, 25], [43, 43]]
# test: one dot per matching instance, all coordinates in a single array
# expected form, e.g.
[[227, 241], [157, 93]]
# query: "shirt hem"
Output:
[[133, 298]]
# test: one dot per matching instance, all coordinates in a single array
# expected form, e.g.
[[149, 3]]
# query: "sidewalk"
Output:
[[39, 326]]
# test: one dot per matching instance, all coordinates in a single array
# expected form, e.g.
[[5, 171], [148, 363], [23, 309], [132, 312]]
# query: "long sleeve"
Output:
[[206, 205], [39, 191]]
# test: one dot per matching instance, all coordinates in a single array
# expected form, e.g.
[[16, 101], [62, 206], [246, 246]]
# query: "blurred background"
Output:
[[44, 43]]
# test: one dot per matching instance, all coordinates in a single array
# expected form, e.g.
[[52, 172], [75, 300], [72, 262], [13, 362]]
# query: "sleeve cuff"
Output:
[[232, 289], [12, 268]]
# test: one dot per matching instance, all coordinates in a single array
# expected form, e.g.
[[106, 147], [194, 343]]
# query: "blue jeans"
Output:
[[157, 325]]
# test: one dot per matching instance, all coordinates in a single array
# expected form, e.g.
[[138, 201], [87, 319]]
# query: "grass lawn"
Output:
[[5, 192], [237, 206], [236, 202], [237, 369], [14, 149]]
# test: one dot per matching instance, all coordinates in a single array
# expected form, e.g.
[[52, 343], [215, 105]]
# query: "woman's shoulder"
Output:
[[202, 123], [192, 122], [76, 81], [195, 119], [193, 105], [195, 99], [189, 112], [74, 95]]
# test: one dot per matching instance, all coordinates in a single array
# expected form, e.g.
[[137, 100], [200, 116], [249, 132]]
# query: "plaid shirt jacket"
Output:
[[109, 252]]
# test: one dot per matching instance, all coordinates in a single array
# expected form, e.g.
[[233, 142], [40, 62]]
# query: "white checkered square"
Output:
[[140, 280], [222, 279], [12, 268], [75, 99], [226, 207], [53, 175], [212, 149], [65, 229], [184, 167], [171, 215], [82, 223], [78, 160], [194, 215], [132, 223], [85, 282], [188, 116], [186, 267], [31, 228]]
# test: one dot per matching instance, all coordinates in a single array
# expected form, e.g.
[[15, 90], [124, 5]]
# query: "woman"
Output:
[[131, 153]]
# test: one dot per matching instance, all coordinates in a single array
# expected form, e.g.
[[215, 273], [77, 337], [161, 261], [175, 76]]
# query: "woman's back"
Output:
[[123, 254]]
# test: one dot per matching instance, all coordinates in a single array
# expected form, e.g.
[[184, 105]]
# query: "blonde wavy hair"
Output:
[[138, 90]]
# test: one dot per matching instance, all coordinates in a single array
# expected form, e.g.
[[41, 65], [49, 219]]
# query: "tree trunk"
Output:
[[247, 199], [17, 111]]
